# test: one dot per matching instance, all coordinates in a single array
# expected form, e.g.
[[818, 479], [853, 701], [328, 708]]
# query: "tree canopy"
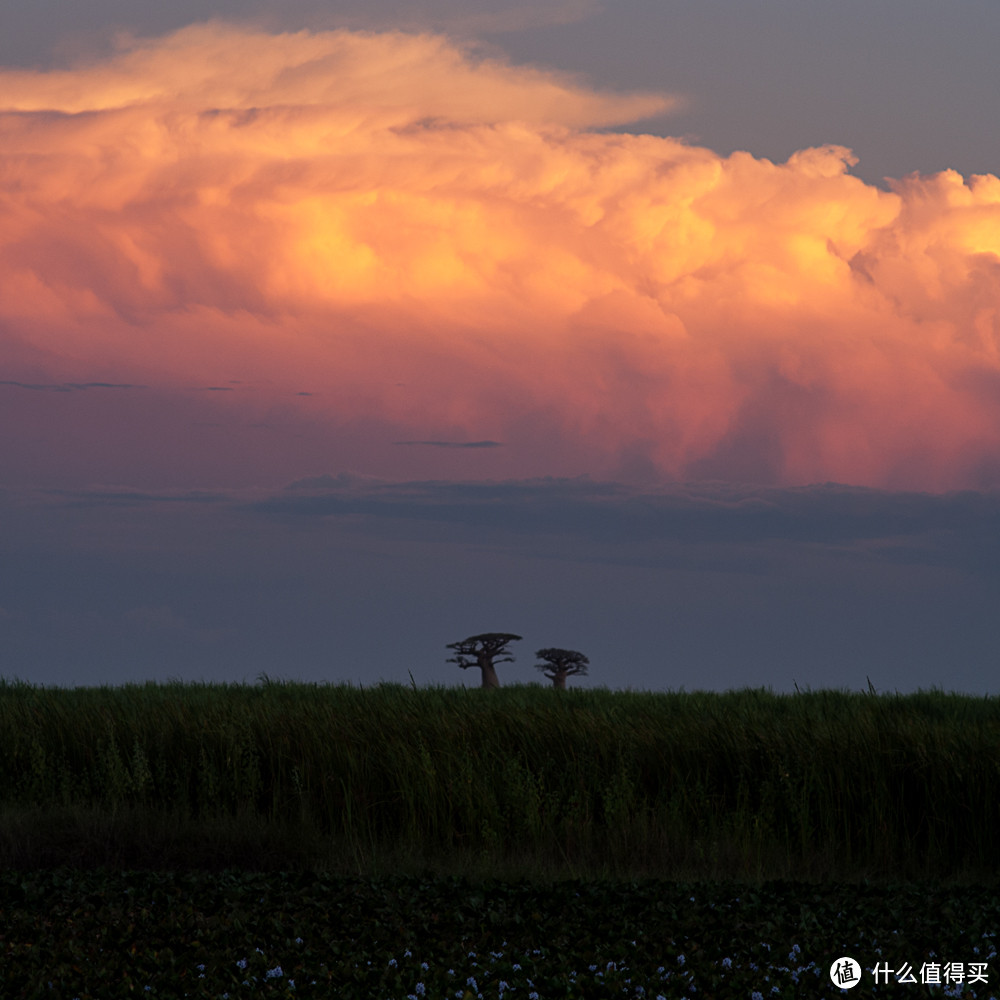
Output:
[[560, 664], [484, 651]]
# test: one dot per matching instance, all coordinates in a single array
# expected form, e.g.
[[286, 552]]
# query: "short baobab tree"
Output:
[[484, 651], [560, 664]]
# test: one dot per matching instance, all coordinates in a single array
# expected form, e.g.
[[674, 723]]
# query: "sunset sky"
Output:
[[333, 333]]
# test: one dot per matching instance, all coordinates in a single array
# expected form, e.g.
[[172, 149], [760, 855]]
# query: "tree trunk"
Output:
[[559, 682], [490, 679]]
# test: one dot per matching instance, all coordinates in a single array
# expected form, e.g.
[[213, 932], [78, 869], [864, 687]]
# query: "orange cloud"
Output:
[[439, 247]]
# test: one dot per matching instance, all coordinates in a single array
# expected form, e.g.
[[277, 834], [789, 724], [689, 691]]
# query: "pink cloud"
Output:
[[438, 247]]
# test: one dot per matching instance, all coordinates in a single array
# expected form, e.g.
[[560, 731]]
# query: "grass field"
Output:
[[523, 781], [390, 843]]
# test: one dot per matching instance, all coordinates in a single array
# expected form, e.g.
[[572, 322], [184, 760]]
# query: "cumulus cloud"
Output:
[[353, 78], [442, 247]]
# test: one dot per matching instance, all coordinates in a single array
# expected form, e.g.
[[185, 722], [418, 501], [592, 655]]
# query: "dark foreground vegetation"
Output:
[[390, 842], [105, 936], [516, 781]]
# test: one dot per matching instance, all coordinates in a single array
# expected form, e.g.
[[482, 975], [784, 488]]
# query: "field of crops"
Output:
[[392, 843], [107, 936], [522, 781]]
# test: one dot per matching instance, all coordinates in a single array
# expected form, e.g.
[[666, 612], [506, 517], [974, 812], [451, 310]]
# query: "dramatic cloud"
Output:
[[383, 238]]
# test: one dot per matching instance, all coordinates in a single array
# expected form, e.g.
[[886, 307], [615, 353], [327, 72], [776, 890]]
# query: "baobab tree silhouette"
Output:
[[560, 664], [484, 651]]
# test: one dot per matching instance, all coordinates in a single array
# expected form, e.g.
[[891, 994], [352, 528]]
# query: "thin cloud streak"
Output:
[[587, 510], [442, 245], [874, 522], [70, 386], [453, 444], [700, 528]]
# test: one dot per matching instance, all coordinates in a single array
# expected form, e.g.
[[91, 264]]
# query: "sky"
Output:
[[331, 334]]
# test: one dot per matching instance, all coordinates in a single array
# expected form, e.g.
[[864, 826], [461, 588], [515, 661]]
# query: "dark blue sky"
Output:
[[710, 586]]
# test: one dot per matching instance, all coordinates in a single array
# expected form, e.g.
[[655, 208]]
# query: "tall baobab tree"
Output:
[[560, 664], [484, 651]]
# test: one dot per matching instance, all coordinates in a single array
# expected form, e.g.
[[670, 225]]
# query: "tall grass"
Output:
[[745, 784]]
